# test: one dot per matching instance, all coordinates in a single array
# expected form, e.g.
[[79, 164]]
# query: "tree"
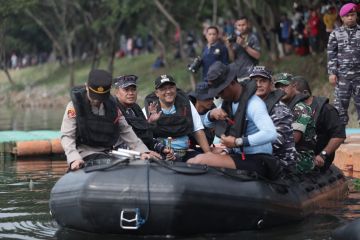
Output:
[[59, 19], [3, 62]]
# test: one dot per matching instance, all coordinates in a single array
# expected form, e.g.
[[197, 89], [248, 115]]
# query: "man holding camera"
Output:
[[245, 51]]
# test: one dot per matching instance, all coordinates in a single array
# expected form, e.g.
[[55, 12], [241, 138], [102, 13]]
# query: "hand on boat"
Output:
[[150, 155], [76, 165]]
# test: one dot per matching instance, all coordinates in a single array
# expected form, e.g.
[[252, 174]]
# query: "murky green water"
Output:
[[24, 213], [25, 186], [30, 118]]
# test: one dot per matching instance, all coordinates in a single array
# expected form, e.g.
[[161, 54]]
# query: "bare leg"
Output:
[[214, 160]]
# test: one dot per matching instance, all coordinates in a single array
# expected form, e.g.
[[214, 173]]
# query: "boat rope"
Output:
[[187, 169], [102, 167]]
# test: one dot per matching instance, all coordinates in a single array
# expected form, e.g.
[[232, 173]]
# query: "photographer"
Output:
[[214, 51], [245, 51]]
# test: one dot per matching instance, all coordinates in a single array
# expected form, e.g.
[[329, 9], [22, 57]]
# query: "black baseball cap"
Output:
[[260, 71], [164, 79]]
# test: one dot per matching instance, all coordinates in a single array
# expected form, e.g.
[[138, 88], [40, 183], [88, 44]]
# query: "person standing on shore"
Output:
[[344, 61]]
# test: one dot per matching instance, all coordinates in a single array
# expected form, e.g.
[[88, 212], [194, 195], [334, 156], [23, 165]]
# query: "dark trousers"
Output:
[[265, 165]]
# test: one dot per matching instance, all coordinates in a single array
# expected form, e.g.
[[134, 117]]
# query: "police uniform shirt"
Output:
[[216, 52], [68, 136]]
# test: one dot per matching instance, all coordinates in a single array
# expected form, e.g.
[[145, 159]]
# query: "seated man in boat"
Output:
[[243, 124], [203, 103], [303, 123], [126, 96], [93, 125], [178, 118], [281, 115], [330, 130]]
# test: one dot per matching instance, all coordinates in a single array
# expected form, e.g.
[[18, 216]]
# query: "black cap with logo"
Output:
[[99, 84]]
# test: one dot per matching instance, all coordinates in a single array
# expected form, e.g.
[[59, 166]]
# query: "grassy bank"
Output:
[[49, 83]]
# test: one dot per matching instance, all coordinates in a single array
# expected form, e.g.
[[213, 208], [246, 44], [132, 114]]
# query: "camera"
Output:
[[195, 65], [232, 37]]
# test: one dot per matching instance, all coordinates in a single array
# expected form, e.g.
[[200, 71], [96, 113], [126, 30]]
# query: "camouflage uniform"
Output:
[[304, 123], [284, 146], [344, 61]]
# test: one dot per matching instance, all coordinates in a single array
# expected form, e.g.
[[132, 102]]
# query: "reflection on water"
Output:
[[31, 118], [24, 213]]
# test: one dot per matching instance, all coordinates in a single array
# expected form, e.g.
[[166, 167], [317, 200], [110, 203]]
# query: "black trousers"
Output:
[[265, 165]]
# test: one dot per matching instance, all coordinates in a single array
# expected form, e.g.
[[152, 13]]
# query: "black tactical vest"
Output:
[[316, 106], [172, 125], [94, 130], [298, 98], [139, 123], [238, 126]]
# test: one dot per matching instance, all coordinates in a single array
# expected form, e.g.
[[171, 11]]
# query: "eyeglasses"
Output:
[[167, 88]]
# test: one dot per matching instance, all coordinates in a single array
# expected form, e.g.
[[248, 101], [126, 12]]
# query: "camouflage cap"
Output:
[[283, 78]]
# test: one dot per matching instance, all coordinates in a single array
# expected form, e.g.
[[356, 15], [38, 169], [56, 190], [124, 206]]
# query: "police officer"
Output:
[[126, 96], [93, 125], [330, 132], [344, 61], [303, 124], [214, 51], [281, 115]]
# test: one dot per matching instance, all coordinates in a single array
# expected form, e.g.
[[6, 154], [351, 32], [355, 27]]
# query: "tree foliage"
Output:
[[72, 27]]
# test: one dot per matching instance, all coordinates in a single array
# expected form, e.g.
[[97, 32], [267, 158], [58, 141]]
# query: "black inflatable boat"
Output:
[[349, 231], [158, 198]]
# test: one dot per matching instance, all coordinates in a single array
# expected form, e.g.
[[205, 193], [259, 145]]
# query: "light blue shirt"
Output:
[[260, 129]]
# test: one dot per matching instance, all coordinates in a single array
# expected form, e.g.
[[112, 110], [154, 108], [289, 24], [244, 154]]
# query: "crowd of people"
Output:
[[268, 124], [18, 61]]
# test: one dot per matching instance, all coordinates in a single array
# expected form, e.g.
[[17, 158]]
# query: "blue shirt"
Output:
[[216, 52], [260, 131]]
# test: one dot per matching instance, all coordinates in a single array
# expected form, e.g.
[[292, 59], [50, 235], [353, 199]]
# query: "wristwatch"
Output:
[[238, 142], [323, 155]]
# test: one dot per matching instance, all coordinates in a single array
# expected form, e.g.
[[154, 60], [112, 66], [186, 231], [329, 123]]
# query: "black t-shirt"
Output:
[[328, 126]]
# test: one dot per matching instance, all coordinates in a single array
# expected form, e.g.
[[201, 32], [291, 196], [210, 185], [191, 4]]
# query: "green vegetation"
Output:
[[54, 78], [356, 183]]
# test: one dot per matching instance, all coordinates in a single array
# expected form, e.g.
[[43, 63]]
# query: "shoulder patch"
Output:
[[71, 113]]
